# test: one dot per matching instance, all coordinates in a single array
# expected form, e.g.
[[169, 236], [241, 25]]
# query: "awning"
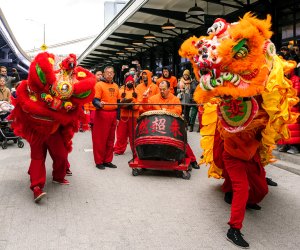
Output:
[[123, 38], [12, 54]]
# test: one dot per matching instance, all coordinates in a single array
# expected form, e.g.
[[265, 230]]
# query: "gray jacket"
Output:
[[11, 80]]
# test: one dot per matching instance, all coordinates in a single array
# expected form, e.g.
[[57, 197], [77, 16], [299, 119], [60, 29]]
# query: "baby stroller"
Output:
[[6, 132]]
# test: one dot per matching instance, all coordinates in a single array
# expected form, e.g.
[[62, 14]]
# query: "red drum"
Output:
[[160, 135]]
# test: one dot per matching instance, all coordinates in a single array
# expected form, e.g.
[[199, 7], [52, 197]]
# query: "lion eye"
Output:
[[243, 52]]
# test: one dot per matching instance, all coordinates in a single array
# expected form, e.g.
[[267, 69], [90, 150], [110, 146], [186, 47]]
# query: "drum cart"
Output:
[[160, 143]]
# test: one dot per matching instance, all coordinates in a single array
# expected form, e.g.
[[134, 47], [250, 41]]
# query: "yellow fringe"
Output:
[[209, 122], [279, 97]]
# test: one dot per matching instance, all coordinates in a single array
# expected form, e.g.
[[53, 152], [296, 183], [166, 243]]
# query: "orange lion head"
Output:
[[234, 60]]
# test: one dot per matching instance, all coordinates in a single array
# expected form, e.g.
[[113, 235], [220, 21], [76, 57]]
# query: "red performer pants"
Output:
[[92, 118], [190, 153], [247, 180], [125, 129], [83, 122], [200, 114], [103, 135], [59, 154]]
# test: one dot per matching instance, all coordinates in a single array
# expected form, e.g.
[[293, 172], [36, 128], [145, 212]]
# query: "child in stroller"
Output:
[[6, 133]]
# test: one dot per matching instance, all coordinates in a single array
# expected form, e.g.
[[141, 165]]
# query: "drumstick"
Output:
[[146, 92]]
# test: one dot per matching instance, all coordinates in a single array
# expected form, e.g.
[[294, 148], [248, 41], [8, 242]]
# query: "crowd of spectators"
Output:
[[183, 87], [290, 53]]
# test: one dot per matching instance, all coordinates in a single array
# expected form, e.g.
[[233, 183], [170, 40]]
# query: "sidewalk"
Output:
[[111, 209], [288, 162]]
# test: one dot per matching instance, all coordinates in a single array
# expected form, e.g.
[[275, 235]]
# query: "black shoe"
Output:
[[131, 160], [293, 150], [100, 166], [228, 197], [117, 154], [69, 172], [198, 130], [270, 182], [236, 237], [283, 148], [195, 165], [253, 206], [191, 128], [109, 165]]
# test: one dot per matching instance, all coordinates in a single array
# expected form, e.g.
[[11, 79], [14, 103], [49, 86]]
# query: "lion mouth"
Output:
[[209, 81], [210, 78], [43, 118]]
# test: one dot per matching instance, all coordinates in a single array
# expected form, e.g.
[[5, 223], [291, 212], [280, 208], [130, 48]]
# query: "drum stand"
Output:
[[182, 169]]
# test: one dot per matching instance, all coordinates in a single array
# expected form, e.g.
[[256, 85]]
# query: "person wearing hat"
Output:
[[184, 94], [166, 76], [128, 116]]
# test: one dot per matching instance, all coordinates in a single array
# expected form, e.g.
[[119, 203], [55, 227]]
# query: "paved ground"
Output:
[[111, 209]]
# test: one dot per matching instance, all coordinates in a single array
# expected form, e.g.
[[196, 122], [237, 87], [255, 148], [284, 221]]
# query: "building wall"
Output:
[[111, 9]]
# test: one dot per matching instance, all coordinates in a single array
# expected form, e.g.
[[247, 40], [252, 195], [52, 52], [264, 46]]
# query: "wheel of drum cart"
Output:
[[20, 144], [178, 174], [135, 172], [4, 145], [186, 175]]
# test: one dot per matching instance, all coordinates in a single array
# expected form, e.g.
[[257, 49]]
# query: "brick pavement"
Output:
[[111, 209]]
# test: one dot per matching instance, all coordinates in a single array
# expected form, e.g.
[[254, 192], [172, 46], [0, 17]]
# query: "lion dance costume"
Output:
[[47, 109], [247, 106]]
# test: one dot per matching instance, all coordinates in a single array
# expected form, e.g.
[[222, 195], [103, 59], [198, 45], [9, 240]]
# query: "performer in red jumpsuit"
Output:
[[247, 108], [46, 114]]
